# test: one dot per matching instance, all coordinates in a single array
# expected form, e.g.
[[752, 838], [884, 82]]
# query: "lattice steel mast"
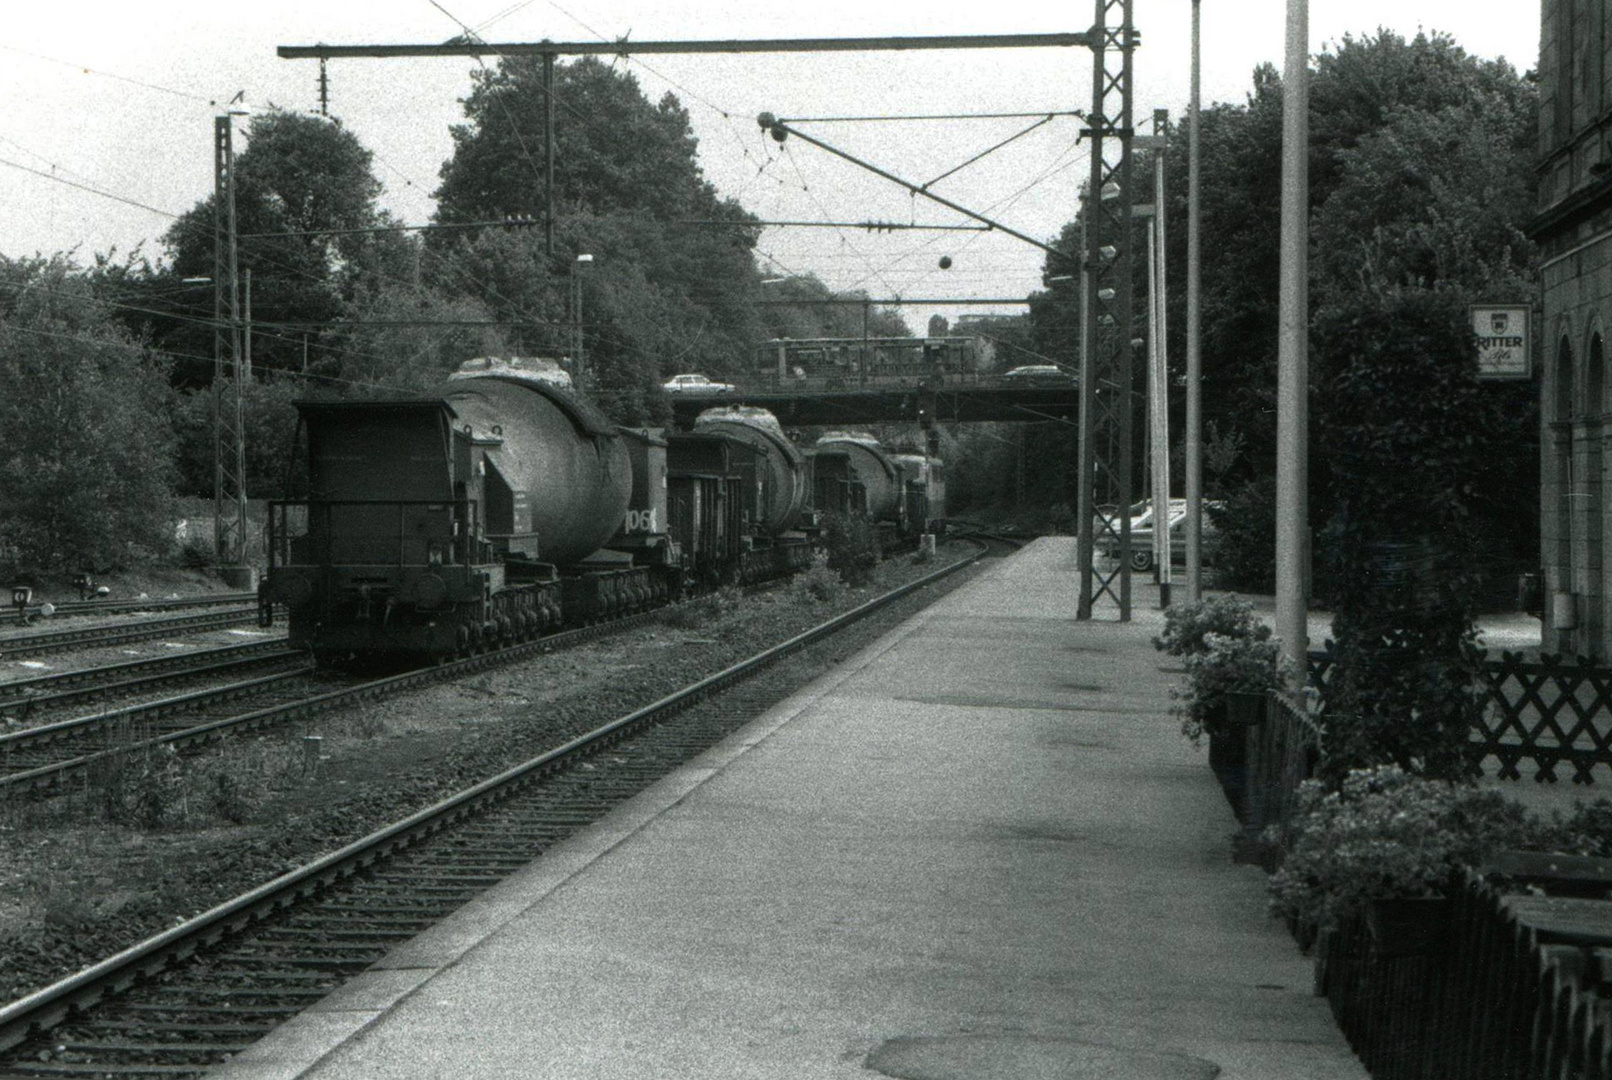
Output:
[[1106, 404], [229, 371]]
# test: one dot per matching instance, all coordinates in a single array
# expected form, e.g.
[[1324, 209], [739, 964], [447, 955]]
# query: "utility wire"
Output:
[[1047, 113], [88, 188], [111, 75]]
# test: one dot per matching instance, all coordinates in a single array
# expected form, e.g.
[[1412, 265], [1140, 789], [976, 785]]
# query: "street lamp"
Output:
[[579, 364]]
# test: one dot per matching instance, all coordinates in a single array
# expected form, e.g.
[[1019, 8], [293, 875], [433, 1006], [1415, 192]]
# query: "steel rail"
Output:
[[118, 607], [15, 645], [56, 772], [130, 677], [51, 1005], [33, 740]]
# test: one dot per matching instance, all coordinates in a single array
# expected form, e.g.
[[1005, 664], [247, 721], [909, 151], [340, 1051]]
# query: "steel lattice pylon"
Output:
[[229, 371], [1105, 355]]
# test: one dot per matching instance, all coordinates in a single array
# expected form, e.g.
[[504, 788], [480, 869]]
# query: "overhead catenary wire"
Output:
[[92, 190], [86, 69]]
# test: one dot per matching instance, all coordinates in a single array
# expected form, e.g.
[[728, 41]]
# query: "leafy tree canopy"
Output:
[[86, 472], [613, 150], [300, 182]]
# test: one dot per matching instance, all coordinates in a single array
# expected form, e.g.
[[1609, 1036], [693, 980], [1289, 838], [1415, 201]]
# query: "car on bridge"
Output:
[[695, 384], [1038, 375]]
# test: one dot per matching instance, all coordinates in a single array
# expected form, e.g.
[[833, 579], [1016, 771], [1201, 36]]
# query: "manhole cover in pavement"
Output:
[[1028, 1057]]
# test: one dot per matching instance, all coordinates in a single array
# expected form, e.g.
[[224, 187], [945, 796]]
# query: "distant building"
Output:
[[938, 326], [1574, 231]]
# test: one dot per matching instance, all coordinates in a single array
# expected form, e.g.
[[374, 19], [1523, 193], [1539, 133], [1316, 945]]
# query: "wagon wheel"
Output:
[[1141, 559]]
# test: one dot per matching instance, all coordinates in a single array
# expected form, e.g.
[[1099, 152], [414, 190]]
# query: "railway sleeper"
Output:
[[185, 1049], [343, 938], [100, 1070], [250, 1032]]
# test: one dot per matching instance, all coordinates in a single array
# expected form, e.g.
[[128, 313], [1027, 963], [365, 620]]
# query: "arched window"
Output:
[[1564, 381], [1594, 403]]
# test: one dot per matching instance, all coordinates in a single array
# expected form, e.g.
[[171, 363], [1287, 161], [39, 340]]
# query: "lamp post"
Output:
[[1194, 475], [579, 362], [1292, 363]]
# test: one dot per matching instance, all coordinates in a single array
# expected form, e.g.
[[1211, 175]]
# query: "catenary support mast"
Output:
[[229, 373], [1106, 405]]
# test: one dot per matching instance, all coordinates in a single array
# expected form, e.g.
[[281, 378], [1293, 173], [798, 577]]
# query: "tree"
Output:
[[815, 316], [1420, 177], [86, 473], [406, 340], [302, 186], [613, 150], [270, 422], [1399, 384], [671, 283], [1433, 200]]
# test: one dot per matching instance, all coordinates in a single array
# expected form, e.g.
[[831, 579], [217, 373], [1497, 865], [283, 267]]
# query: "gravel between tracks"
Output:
[[73, 891]]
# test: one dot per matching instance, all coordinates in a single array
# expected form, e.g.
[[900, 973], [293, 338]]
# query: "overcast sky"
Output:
[[120, 97]]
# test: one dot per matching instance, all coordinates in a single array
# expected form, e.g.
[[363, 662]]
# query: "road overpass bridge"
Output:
[[895, 405]]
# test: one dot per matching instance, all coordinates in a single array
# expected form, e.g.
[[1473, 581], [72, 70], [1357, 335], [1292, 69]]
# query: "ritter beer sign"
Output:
[[1505, 345]]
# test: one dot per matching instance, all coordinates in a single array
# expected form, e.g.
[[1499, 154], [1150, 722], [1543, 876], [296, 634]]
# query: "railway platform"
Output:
[[979, 849]]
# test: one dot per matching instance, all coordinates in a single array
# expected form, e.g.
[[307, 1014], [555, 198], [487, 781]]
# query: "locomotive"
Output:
[[506, 506]]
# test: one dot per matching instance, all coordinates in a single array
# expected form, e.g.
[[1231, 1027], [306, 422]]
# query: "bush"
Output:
[[1383, 834], [153, 786], [1186, 624], [817, 584], [1227, 665], [1585, 831], [695, 613], [1245, 552], [853, 547], [1402, 688]]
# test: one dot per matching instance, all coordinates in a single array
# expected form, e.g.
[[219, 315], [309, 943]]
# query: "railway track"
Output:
[[13, 646], [202, 991], [28, 699], [119, 607], [44, 757]]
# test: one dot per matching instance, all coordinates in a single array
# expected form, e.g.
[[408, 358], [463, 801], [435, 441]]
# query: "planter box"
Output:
[[1244, 710], [1408, 925], [1228, 759]]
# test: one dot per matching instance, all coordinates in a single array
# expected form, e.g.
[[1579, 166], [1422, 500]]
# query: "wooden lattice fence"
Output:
[[1551, 712]]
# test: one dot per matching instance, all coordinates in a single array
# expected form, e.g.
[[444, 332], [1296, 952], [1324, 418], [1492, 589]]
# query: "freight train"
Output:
[[902, 491], [506, 506]]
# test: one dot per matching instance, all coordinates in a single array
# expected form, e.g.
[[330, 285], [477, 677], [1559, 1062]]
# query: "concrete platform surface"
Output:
[[980, 849]]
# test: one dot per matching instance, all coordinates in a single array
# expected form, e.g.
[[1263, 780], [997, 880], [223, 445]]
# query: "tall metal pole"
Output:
[[245, 366], [579, 363], [1194, 477], [548, 154], [1159, 375], [229, 444], [1292, 357], [1085, 437], [1106, 404]]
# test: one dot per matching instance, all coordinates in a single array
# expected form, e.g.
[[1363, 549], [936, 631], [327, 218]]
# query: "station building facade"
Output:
[[1573, 227]]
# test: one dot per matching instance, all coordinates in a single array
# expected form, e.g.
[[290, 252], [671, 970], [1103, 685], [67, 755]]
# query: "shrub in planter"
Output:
[[1226, 666], [1385, 834], [1186, 624]]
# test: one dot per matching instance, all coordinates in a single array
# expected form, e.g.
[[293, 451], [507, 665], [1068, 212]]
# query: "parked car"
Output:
[[1038, 375], [1142, 535], [695, 383]]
